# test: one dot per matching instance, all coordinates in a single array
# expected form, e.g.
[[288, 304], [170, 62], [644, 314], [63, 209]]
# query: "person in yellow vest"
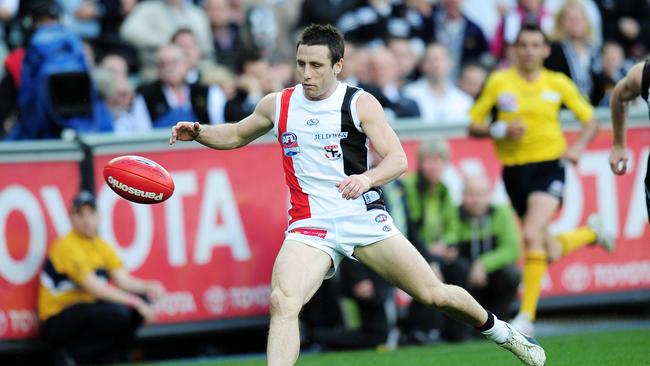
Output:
[[530, 144], [85, 318]]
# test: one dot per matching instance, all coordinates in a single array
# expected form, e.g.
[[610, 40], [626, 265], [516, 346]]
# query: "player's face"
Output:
[[85, 221], [317, 74], [531, 50]]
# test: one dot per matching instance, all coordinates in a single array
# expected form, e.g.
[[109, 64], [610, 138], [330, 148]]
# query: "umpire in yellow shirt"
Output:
[[85, 318], [530, 144]]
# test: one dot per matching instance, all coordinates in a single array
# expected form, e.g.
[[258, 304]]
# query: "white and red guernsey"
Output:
[[322, 143]]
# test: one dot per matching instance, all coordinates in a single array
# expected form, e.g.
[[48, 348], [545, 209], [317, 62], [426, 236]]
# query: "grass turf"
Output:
[[627, 348]]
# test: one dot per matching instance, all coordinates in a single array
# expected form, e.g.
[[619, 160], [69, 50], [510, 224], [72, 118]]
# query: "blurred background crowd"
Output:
[[130, 66]]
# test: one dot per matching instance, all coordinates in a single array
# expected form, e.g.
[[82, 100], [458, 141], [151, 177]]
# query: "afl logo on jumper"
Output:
[[332, 152], [312, 122], [381, 218], [290, 144], [507, 102]]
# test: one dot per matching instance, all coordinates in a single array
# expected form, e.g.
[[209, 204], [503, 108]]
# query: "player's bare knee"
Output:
[[533, 237], [282, 304]]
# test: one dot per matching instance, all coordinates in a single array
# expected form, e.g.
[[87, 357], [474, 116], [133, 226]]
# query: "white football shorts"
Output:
[[338, 236]]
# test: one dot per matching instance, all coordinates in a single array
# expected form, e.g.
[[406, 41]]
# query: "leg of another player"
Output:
[[399, 262], [541, 208], [298, 272]]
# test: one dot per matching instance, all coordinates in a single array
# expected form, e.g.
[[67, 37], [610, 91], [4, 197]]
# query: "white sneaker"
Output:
[[523, 324], [605, 239], [526, 348]]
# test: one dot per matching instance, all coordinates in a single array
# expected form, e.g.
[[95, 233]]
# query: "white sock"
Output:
[[499, 333]]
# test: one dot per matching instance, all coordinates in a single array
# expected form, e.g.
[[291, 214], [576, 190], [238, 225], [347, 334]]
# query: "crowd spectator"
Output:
[[613, 68], [256, 79], [86, 319], [55, 90], [226, 34], [82, 17], [367, 22], [464, 39], [323, 11], [472, 77], [624, 21], [171, 98], [120, 101], [488, 246], [8, 9], [408, 53], [486, 13], [525, 12], [573, 50], [386, 73], [437, 98], [152, 23], [260, 32], [186, 40], [593, 16]]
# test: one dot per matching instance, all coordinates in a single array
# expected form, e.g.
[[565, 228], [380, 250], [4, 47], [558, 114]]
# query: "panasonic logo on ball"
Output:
[[134, 191]]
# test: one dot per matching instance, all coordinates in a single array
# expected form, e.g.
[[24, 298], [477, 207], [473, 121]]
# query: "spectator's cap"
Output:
[[45, 8], [434, 147], [84, 198]]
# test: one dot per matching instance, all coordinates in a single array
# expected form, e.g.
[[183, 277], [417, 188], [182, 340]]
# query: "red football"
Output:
[[138, 179]]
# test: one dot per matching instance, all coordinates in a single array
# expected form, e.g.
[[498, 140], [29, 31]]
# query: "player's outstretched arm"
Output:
[[626, 89], [229, 135]]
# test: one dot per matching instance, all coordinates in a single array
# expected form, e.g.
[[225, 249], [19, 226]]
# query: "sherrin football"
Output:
[[138, 179]]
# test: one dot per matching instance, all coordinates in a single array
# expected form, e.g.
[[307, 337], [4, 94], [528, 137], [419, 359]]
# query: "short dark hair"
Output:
[[324, 35], [532, 27]]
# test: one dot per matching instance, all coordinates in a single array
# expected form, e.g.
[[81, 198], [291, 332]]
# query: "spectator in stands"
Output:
[[186, 40], [573, 50], [85, 318], [226, 34], [367, 22], [408, 53], [437, 98], [55, 90], [624, 21], [386, 74], [613, 69], [464, 39], [255, 81], [434, 218], [488, 247], [525, 12], [8, 9], [121, 99], [152, 23], [472, 77], [169, 99], [372, 296], [486, 13], [82, 17], [323, 11], [593, 16]]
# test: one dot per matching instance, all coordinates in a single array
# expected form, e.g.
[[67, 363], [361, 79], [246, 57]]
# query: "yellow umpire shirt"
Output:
[[70, 259], [537, 104]]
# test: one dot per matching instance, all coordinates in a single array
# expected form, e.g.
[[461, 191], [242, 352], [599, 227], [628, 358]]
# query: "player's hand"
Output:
[[516, 130], [618, 160], [353, 186], [477, 276], [572, 154], [154, 290], [185, 131], [146, 311]]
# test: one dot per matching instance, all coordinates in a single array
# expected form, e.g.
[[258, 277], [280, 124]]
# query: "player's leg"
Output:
[[399, 262], [298, 271], [541, 207]]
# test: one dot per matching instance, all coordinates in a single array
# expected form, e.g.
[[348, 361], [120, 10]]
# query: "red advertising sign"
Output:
[[214, 241], [34, 201]]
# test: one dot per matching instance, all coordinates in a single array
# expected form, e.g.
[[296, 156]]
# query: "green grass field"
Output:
[[621, 348]]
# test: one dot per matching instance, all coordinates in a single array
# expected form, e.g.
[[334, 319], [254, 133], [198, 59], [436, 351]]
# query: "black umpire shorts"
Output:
[[522, 180]]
